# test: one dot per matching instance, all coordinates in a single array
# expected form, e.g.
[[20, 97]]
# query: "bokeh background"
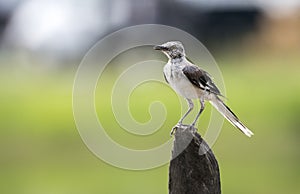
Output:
[[255, 43]]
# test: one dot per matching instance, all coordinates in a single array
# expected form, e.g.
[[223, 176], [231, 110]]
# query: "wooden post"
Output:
[[193, 168]]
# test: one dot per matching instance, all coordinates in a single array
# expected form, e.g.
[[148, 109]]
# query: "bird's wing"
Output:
[[200, 79]]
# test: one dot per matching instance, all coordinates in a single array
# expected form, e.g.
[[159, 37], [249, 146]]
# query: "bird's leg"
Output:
[[199, 113], [191, 106]]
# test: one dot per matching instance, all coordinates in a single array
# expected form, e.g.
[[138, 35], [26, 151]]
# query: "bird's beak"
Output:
[[160, 48]]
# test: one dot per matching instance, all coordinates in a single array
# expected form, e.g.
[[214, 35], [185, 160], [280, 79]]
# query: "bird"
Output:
[[192, 82]]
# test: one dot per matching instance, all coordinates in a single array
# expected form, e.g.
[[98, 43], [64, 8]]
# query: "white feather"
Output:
[[226, 112]]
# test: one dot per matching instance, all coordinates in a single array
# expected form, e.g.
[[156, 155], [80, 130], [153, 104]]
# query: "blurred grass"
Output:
[[42, 152]]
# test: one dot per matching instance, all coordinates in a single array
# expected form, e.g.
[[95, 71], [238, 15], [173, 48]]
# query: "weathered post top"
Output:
[[193, 168]]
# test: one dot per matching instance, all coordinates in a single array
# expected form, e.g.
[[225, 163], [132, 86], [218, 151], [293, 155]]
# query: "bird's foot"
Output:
[[193, 124], [184, 127], [193, 129], [175, 128]]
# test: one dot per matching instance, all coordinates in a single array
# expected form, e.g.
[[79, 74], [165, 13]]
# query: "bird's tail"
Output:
[[229, 115]]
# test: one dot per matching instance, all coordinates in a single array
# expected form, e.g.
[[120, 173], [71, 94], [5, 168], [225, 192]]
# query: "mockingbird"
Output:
[[191, 82]]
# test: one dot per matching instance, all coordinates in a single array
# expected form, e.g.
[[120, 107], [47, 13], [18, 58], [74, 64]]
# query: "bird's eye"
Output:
[[173, 47]]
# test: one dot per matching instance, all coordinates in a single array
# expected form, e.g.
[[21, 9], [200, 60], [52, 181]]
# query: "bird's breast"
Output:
[[180, 83]]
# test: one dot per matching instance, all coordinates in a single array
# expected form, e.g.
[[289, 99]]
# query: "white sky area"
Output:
[[66, 25]]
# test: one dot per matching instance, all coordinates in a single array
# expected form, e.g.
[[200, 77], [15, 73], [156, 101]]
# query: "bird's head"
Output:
[[173, 49]]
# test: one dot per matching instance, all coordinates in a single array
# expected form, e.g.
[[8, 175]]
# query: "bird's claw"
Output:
[[175, 128], [193, 129]]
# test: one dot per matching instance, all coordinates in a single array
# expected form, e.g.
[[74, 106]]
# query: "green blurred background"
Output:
[[41, 150]]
